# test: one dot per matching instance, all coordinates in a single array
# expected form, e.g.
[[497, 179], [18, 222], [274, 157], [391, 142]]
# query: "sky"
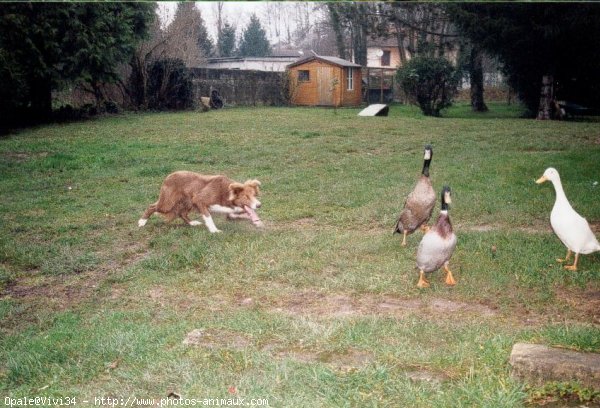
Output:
[[236, 13]]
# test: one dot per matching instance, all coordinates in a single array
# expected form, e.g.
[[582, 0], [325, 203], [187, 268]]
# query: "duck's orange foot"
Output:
[[559, 260], [422, 281], [449, 278], [423, 284], [571, 267]]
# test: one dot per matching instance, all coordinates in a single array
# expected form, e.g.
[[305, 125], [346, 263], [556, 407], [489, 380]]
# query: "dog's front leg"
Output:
[[210, 224], [204, 211]]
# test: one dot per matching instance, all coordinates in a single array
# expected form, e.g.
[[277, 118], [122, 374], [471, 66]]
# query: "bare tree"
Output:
[[177, 41], [183, 35], [150, 50], [218, 8]]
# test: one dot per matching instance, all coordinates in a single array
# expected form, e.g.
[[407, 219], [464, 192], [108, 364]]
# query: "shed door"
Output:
[[324, 85]]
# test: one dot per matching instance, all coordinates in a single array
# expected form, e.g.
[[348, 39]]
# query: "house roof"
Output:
[[390, 41], [332, 60], [239, 59], [286, 53]]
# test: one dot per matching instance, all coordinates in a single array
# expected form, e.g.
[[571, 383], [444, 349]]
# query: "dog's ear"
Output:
[[252, 183], [236, 187]]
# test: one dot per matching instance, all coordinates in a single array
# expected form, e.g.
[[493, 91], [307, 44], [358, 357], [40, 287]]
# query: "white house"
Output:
[[278, 62]]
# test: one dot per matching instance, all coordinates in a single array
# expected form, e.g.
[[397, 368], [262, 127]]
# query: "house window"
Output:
[[303, 75], [350, 78], [385, 59]]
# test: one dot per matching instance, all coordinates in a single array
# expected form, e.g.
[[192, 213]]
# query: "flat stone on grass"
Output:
[[426, 376], [537, 364], [216, 339]]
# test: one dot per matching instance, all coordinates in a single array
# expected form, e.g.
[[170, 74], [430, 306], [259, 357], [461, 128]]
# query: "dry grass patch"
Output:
[[321, 305]]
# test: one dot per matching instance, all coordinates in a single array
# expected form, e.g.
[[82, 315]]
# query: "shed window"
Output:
[[350, 78], [385, 59], [303, 75]]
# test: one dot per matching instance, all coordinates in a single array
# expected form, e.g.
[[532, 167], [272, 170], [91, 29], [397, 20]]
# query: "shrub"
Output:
[[170, 85], [429, 82]]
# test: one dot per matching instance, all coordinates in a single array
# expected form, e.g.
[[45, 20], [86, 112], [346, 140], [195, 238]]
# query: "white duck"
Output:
[[571, 228]]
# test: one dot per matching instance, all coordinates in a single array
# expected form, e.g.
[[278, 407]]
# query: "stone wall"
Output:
[[241, 87]]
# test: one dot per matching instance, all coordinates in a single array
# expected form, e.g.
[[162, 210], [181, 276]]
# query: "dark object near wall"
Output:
[[216, 102]]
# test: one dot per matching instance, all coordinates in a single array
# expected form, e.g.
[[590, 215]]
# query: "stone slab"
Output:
[[537, 364]]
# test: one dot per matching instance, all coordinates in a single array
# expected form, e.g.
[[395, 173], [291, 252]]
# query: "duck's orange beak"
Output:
[[541, 180]]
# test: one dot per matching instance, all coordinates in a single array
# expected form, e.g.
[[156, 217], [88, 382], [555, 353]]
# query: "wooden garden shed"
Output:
[[325, 81]]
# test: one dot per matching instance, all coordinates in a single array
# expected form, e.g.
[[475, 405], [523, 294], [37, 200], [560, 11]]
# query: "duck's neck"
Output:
[[426, 164], [443, 225], [561, 197]]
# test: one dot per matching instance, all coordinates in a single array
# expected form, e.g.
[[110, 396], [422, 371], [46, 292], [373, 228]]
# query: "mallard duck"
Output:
[[419, 203], [571, 228], [437, 245]]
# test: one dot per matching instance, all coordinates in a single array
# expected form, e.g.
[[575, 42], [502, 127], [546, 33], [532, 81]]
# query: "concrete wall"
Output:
[[241, 87]]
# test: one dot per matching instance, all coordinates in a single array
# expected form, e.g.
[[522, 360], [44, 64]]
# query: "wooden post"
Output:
[[381, 87], [368, 86], [546, 98]]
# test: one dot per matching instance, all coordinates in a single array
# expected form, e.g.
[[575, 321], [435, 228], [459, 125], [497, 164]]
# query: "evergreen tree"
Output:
[[254, 41], [204, 41], [533, 41], [45, 44], [226, 44]]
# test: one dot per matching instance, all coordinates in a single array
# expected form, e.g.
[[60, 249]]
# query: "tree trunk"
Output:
[[41, 98], [138, 80], [400, 39], [546, 98], [476, 74], [337, 29]]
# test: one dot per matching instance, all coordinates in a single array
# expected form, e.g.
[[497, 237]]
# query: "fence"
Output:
[[241, 87]]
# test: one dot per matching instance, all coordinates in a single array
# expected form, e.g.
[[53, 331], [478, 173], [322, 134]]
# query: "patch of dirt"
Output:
[[541, 150], [302, 222], [297, 354], [537, 229], [595, 225], [40, 294], [60, 290], [427, 376], [21, 157], [322, 305], [51, 293], [215, 339], [585, 301], [346, 360], [351, 359]]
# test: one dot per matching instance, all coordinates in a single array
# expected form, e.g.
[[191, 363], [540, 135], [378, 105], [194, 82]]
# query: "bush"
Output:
[[170, 85], [429, 82]]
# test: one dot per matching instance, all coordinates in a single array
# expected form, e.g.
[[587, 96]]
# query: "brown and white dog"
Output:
[[185, 191]]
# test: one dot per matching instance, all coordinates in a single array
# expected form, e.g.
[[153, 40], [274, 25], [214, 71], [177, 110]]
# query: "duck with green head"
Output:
[[437, 245], [419, 203]]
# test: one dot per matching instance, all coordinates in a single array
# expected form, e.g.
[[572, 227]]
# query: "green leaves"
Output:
[[430, 83]]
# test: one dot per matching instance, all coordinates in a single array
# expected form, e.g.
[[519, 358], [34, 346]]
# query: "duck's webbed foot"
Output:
[[423, 283]]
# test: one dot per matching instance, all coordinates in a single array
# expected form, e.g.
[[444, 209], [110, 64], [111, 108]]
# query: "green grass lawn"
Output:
[[319, 308]]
